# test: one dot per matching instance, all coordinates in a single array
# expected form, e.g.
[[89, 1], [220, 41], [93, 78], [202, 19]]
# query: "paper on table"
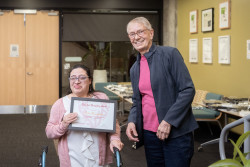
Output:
[[244, 113]]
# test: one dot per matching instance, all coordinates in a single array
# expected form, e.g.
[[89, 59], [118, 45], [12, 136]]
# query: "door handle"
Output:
[[29, 73]]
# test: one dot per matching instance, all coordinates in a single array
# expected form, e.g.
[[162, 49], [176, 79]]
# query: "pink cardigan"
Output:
[[56, 130]]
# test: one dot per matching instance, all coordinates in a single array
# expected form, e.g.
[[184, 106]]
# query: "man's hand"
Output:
[[163, 130], [131, 132]]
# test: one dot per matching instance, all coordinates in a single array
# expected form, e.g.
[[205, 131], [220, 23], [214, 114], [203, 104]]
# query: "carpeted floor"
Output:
[[21, 139], [204, 158], [22, 136]]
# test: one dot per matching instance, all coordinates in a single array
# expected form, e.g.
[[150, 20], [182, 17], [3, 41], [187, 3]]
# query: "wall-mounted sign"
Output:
[[224, 49], [193, 50], [248, 49], [14, 50], [73, 59], [207, 50]]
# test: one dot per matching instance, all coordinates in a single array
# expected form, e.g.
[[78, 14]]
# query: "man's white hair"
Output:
[[141, 20]]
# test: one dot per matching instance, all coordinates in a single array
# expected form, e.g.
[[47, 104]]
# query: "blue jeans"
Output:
[[173, 152]]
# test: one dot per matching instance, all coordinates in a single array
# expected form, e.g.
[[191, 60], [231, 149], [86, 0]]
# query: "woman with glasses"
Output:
[[161, 117], [80, 148]]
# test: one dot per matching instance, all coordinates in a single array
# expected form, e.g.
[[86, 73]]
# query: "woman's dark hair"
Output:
[[85, 68]]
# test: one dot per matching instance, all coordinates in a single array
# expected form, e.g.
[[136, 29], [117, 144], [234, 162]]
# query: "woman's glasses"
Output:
[[81, 78]]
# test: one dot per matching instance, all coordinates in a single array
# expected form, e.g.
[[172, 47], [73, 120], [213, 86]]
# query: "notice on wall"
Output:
[[193, 50], [248, 49], [224, 49], [14, 50], [207, 50]]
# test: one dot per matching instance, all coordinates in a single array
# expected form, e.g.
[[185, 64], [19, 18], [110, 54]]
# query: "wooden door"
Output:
[[31, 78], [12, 69], [42, 59]]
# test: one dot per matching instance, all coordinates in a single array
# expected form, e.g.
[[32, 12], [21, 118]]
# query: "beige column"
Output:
[[169, 23]]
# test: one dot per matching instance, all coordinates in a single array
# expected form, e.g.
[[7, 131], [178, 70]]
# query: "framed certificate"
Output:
[[207, 50], [193, 50], [248, 50], [224, 49], [94, 114]]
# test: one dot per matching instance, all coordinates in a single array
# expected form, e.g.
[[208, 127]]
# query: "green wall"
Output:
[[232, 79]]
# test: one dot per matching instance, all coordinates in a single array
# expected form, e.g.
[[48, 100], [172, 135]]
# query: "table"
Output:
[[235, 111], [235, 114], [124, 91], [246, 123], [230, 113], [246, 127]]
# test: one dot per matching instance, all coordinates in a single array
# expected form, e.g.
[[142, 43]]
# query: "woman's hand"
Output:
[[67, 119], [116, 143]]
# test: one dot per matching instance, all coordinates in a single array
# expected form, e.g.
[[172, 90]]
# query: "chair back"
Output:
[[213, 96]]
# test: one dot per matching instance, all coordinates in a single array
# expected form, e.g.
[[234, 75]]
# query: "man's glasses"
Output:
[[139, 33], [81, 78]]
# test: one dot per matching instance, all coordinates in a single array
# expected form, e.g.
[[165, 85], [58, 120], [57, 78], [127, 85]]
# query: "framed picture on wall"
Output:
[[224, 15], [224, 49], [193, 27], [193, 50], [248, 49], [207, 50], [207, 20]]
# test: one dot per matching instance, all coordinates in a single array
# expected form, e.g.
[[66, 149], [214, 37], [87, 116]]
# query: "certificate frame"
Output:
[[224, 15], [97, 115], [207, 50], [224, 49], [193, 50], [207, 20], [193, 23], [248, 49]]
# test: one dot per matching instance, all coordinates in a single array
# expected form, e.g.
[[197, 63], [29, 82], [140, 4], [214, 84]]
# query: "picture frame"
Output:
[[248, 49], [224, 49], [193, 50], [207, 50], [224, 15], [97, 115], [193, 23], [207, 20]]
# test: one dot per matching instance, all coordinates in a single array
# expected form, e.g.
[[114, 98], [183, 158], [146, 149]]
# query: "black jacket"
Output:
[[172, 87]]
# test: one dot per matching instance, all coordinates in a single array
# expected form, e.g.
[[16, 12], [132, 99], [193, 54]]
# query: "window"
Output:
[[119, 60]]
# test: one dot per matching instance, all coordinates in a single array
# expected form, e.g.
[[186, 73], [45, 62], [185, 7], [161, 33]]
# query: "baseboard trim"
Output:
[[28, 109]]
